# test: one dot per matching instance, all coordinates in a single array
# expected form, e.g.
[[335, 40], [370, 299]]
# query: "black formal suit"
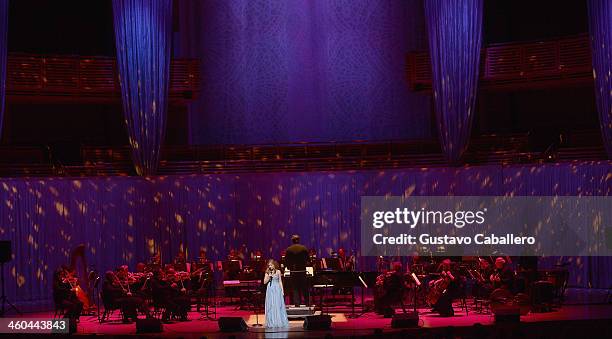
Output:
[[296, 258]]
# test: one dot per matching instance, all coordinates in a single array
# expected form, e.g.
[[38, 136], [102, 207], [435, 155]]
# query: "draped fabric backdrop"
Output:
[[3, 56], [301, 70], [142, 36], [600, 27], [455, 38], [125, 219]]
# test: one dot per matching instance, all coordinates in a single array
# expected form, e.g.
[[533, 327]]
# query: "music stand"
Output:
[[232, 266], [367, 280], [206, 313], [417, 284], [333, 264], [256, 302], [209, 291]]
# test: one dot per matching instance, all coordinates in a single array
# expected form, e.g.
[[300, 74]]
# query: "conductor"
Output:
[[295, 260]]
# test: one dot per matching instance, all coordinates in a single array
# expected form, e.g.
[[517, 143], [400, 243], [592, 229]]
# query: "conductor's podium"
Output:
[[299, 312]]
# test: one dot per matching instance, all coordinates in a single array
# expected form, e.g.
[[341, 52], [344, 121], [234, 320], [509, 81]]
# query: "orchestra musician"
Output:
[[282, 262], [258, 263], [382, 264], [201, 273], [441, 290], [313, 260], [242, 253], [296, 258], [483, 286], [418, 265], [503, 275], [122, 272], [155, 259], [257, 255], [180, 263], [347, 264], [203, 261], [154, 263], [390, 287], [135, 282], [116, 291], [344, 264], [64, 293], [180, 258], [233, 255], [169, 292], [140, 281], [179, 281], [231, 271], [141, 268]]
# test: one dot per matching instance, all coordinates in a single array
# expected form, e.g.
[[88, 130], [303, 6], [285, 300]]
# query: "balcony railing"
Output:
[[522, 64], [503, 149], [79, 77]]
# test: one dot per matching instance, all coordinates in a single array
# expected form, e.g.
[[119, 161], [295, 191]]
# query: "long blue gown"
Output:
[[276, 314]]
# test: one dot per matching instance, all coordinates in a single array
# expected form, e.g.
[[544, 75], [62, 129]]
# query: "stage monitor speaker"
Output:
[[150, 325], [232, 324], [405, 320], [318, 322], [508, 315], [5, 251]]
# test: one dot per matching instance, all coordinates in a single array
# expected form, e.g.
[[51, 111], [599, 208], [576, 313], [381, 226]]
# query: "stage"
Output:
[[568, 321]]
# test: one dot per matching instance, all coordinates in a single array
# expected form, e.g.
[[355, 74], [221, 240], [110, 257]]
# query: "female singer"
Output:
[[276, 314]]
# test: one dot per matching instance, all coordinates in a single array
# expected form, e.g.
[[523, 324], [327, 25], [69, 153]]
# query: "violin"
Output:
[[69, 278], [138, 276], [202, 273], [125, 285], [380, 279], [178, 276]]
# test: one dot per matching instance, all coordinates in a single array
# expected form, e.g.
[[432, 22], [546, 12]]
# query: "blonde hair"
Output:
[[274, 263]]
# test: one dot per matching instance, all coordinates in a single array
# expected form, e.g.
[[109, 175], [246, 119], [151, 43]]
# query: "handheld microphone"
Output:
[[270, 272]]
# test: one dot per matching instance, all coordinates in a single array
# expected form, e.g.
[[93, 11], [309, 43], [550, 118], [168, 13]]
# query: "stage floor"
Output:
[[344, 325]]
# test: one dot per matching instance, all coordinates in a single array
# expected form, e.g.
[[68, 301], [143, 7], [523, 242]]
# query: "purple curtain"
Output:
[[125, 219], [455, 34], [3, 55], [142, 37], [303, 70], [600, 27]]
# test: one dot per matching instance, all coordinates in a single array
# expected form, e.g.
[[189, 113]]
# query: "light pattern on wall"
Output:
[[125, 219]]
